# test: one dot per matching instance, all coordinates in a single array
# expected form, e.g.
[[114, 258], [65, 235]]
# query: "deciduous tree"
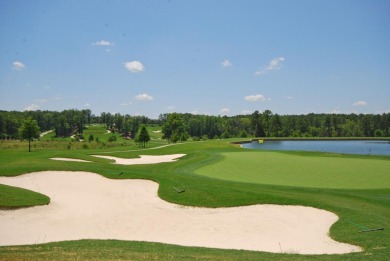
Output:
[[29, 130]]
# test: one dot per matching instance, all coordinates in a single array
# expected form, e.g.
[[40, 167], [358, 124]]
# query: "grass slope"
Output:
[[368, 207]]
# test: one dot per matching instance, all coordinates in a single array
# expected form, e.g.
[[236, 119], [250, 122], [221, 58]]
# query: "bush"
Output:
[[112, 138], [225, 135], [205, 137], [195, 138], [243, 134]]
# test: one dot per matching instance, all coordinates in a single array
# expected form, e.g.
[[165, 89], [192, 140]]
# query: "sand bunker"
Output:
[[88, 206], [144, 159], [69, 159]]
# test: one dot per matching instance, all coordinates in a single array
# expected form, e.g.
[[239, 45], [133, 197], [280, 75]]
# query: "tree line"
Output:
[[268, 124], [181, 126]]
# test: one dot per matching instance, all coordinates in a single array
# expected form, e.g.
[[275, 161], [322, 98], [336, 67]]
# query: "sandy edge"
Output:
[[143, 159], [69, 159], [131, 210]]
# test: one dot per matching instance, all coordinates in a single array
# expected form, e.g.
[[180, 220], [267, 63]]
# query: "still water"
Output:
[[362, 147]]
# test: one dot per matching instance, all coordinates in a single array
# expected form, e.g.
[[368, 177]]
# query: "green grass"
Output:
[[13, 197], [300, 171], [368, 206]]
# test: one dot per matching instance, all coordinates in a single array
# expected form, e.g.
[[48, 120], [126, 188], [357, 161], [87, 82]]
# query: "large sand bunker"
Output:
[[143, 159], [88, 206]]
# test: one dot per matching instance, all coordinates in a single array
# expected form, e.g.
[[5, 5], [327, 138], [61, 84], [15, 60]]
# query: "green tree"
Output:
[[256, 124], [225, 135], [266, 118], [90, 138], [276, 125], [173, 128], [142, 136], [29, 130]]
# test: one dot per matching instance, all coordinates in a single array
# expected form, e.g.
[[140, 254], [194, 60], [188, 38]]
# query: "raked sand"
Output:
[[88, 206], [143, 159]]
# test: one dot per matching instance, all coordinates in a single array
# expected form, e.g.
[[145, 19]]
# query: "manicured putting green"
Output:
[[300, 171]]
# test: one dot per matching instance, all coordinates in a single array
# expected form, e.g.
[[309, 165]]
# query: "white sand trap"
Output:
[[70, 159], [88, 206], [143, 159]]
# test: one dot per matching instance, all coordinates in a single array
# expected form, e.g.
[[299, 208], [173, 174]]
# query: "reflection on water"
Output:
[[337, 146]]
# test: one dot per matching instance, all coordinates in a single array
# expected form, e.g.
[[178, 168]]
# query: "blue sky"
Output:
[[204, 57]]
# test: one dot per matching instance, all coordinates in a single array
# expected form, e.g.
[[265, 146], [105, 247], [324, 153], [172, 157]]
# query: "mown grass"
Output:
[[296, 170], [368, 207]]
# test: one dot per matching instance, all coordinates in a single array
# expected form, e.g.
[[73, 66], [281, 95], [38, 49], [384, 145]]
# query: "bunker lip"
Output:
[[131, 210], [69, 159]]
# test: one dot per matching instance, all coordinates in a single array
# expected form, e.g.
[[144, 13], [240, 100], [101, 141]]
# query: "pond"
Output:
[[362, 147]]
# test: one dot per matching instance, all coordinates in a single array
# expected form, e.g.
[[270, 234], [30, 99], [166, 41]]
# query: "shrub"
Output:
[[112, 138], [225, 135], [243, 134]]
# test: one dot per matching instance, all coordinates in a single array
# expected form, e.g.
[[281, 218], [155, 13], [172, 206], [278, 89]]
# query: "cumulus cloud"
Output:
[[18, 66], [170, 108], [134, 66], [226, 63], [360, 103], [143, 97], [103, 43], [255, 98], [274, 64], [32, 107], [224, 111]]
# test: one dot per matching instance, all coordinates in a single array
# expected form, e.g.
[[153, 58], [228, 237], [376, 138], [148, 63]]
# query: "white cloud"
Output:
[[103, 43], [336, 111], [360, 103], [134, 66], [289, 98], [255, 98], [41, 100], [125, 104], [18, 66], [246, 112], [274, 64], [143, 97], [224, 111], [226, 63], [87, 105], [32, 107], [170, 108]]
